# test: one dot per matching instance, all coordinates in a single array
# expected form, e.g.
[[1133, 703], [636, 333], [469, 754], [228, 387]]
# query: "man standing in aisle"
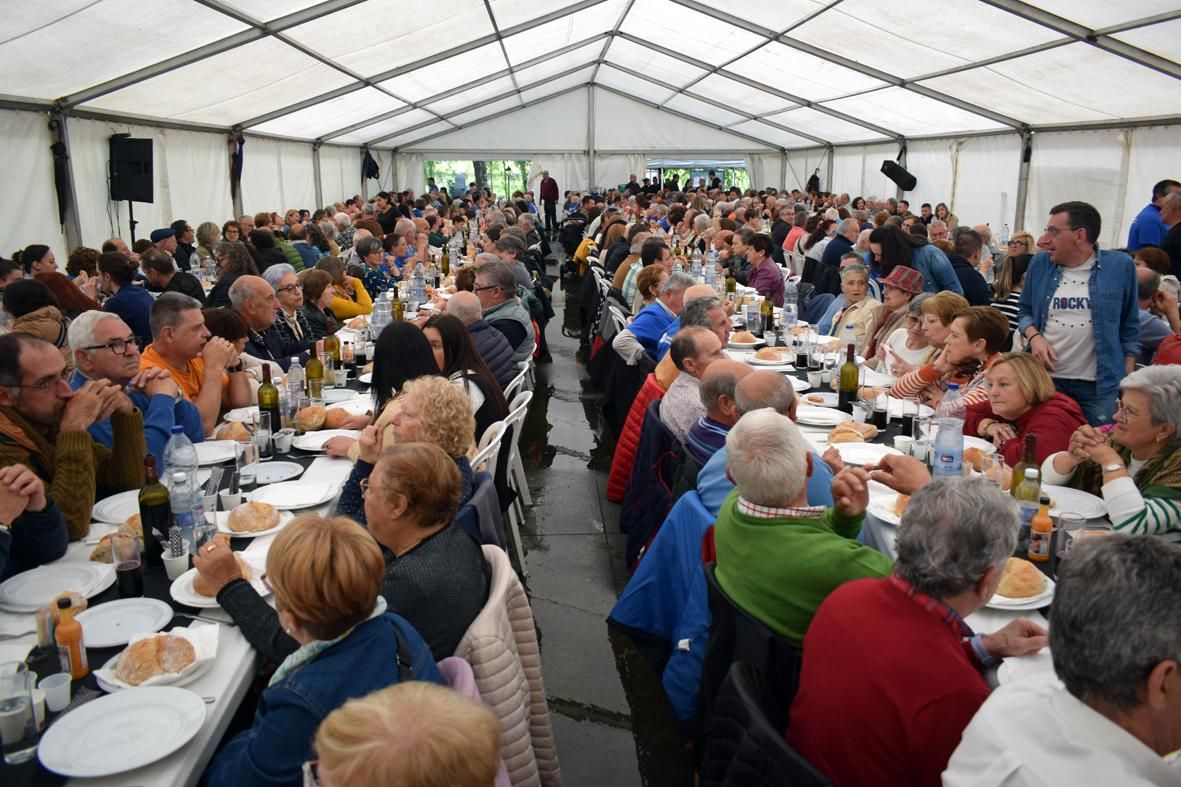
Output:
[[1149, 228], [549, 200], [1079, 310]]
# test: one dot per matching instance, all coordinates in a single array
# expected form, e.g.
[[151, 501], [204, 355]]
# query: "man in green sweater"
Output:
[[777, 557]]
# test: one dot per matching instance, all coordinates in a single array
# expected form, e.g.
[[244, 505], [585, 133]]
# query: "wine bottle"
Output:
[[445, 263], [155, 514], [332, 345], [731, 285], [314, 373], [268, 398], [847, 386], [1028, 460]]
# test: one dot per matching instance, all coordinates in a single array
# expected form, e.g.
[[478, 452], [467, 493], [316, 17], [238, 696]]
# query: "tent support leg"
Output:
[[316, 174], [899, 195], [1023, 179], [590, 135], [828, 168]]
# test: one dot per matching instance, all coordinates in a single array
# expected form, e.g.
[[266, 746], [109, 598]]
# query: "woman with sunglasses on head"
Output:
[[1136, 468]]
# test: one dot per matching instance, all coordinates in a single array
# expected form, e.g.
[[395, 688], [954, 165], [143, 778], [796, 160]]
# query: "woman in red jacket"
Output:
[[1022, 400]]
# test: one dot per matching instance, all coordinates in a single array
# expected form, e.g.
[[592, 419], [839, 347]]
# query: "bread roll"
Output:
[[1021, 579], [204, 587], [845, 435], [335, 418], [159, 655], [252, 517], [311, 418], [744, 337], [134, 525], [900, 504], [232, 431], [769, 354], [77, 603], [814, 399], [975, 457]]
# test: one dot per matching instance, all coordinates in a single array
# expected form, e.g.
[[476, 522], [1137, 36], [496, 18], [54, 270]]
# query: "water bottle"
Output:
[[848, 336], [695, 265], [677, 268], [791, 296], [949, 441], [418, 285], [184, 501], [180, 455], [709, 277], [295, 378], [1004, 234]]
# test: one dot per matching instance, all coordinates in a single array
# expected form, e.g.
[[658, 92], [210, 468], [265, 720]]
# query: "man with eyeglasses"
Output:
[[103, 347], [255, 301], [163, 276], [1079, 310], [44, 423], [496, 287]]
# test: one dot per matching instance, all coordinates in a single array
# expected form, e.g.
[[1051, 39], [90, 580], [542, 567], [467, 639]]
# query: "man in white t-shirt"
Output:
[[1115, 636]]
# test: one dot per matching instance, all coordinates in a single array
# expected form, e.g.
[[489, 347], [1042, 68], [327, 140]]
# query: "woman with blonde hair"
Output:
[[208, 236], [326, 575], [1022, 400]]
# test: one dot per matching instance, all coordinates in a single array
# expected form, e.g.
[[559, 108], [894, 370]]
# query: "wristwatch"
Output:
[[235, 368], [1114, 467], [6, 526]]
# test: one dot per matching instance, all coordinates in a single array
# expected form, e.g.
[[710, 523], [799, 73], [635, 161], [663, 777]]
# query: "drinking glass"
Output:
[[262, 435], [18, 727], [922, 438], [1071, 526], [994, 470], [329, 366], [129, 573], [246, 463]]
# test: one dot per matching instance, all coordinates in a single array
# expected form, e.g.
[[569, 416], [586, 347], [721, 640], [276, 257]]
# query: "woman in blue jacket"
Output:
[[326, 575], [892, 247]]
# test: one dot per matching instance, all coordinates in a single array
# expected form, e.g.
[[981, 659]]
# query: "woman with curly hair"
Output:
[[82, 260], [233, 261]]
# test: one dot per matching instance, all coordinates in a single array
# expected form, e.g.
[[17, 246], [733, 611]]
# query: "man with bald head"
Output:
[[255, 302], [717, 387], [755, 391], [490, 343]]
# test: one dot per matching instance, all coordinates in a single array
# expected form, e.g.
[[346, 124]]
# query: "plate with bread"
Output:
[[1022, 587], [820, 399], [889, 508], [745, 340], [194, 590], [174, 658], [771, 356], [251, 520], [316, 417], [117, 622], [314, 441]]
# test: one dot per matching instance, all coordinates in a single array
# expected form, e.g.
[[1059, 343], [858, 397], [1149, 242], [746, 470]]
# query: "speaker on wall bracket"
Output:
[[131, 169], [897, 173]]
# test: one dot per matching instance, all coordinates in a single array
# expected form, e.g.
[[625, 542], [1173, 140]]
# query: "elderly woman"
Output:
[[907, 348], [290, 322], [859, 311], [369, 252], [317, 295], [899, 290], [351, 298], [974, 342], [1022, 400], [326, 575], [233, 261], [208, 236], [1137, 470]]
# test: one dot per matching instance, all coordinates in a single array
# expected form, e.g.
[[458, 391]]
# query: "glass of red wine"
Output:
[[129, 573]]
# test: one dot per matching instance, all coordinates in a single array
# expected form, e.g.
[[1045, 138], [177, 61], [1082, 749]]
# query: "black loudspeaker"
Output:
[[895, 172], [131, 169]]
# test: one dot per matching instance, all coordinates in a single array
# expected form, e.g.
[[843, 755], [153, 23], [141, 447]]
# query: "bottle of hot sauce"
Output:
[[1041, 532], [70, 646]]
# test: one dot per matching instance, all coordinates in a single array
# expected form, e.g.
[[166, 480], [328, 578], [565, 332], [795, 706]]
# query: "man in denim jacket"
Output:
[[1079, 311]]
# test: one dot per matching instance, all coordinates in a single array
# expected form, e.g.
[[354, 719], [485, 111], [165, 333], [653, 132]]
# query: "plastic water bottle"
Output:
[[848, 337], [179, 455], [183, 500], [418, 285], [1004, 234], [695, 265], [677, 268], [949, 441], [791, 297], [295, 378]]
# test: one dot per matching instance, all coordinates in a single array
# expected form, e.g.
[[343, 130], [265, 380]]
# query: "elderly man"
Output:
[[643, 335], [511, 249], [693, 349], [164, 239], [756, 391], [163, 276], [1170, 214], [104, 348], [1114, 637], [937, 230], [256, 302], [956, 537], [704, 309], [120, 245], [717, 388], [778, 557], [847, 232], [1159, 317], [490, 343], [44, 423], [1149, 228], [344, 231], [1087, 342], [496, 288], [246, 223], [207, 370]]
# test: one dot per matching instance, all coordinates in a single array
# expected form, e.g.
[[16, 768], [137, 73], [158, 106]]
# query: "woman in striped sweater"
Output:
[[1137, 470], [975, 340]]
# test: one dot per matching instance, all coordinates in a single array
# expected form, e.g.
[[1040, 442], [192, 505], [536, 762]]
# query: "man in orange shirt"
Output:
[[206, 370]]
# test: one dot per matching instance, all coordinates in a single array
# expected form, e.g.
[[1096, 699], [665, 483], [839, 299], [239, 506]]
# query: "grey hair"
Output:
[[848, 224], [168, 311], [701, 222], [499, 274], [638, 242], [1147, 286], [766, 457], [81, 333], [275, 273], [528, 218], [678, 282], [780, 397], [366, 246], [854, 269], [697, 311], [1115, 617], [342, 220], [915, 308], [240, 293], [940, 222], [464, 310], [485, 257], [1162, 386], [952, 532], [403, 226], [717, 386]]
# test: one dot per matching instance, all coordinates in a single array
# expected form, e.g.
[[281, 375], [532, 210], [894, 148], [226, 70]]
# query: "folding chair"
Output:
[[489, 446]]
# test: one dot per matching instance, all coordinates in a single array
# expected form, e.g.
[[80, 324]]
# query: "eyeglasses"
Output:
[[45, 383], [486, 287], [117, 346], [364, 485], [1053, 231], [297, 287], [1018, 243], [1121, 410]]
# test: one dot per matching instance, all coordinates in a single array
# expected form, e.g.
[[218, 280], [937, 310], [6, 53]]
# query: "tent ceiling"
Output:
[[789, 73]]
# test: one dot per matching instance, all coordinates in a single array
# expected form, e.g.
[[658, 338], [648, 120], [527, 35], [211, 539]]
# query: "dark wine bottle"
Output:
[[155, 514], [268, 399], [847, 387]]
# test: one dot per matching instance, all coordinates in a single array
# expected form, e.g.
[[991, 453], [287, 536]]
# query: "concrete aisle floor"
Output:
[[611, 721]]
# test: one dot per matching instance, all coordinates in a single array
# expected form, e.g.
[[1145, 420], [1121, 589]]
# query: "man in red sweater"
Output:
[[549, 201], [891, 673]]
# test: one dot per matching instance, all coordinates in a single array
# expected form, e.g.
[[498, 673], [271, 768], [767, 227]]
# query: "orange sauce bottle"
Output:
[[70, 647], [1041, 532]]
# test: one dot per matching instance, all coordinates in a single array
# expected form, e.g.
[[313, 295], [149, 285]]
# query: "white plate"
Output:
[[979, 442], [222, 518], [365, 379], [290, 495], [242, 415], [116, 509], [184, 680], [746, 345], [1074, 501], [838, 357], [114, 623], [820, 416], [825, 399], [335, 395], [1033, 602], [214, 452], [121, 732], [883, 508], [274, 472], [358, 405], [30, 590], [877, 379], [314, 441], [786, 361], [799, 385], [182, 591], [864, 453]]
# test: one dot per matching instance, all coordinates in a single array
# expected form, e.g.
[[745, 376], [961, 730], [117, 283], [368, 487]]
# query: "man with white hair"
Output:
[[1115, 715], [643, 335], [104, 348], [937, 230], [955, 540], [778, 558], [344, 231], [490, 343], [847, 232], [693, 349]]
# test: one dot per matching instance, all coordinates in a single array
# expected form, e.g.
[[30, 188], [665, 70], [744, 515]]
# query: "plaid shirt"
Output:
[[773, 512], [344, 238], [629, 288]]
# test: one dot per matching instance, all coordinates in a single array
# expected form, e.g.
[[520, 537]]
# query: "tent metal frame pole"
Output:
[[59, 127], [590, 135], [364, 180], [319, 186], [611, 37], [828, 168], [898, 193], [1023, 180]]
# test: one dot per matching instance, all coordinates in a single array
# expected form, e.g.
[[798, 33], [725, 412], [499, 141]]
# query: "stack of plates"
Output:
[[31, 590]]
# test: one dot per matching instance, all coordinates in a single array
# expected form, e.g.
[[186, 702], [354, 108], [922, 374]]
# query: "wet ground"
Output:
[[611, 721]]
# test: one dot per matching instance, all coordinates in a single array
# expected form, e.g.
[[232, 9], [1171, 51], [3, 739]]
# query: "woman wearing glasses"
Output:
[[290, 322], [1137, 469], [326, 575]]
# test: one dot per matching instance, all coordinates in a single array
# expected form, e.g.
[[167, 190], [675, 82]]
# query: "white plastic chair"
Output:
[[514, 386], [527, 367], [489, 446], [516, 473]]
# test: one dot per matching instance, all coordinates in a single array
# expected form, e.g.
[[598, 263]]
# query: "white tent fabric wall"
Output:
[[624, 124], [340, 172], [857, 170], [26, 191], [568, 169], [764, 169], [802, 163], [614, 170], [411, 172], [277, 175], [1155, 155], [975, 176]]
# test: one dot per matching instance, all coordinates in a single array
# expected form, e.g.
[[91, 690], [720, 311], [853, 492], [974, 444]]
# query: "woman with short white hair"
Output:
[[290, 322], [860, 310]]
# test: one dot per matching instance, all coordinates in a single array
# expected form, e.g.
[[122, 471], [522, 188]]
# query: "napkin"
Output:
[[293, 495], [203, 638]]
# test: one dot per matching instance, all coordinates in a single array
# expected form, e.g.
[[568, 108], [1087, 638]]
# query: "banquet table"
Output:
[[226, 683]]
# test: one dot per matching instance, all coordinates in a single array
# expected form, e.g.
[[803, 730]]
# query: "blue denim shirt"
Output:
[[1115, 310], [938, 275], [275, 747]]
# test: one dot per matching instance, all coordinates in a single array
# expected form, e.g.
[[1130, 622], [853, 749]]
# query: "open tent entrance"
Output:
[[694, 171]]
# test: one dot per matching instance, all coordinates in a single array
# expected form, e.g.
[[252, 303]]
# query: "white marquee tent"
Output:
[[999, 107]]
